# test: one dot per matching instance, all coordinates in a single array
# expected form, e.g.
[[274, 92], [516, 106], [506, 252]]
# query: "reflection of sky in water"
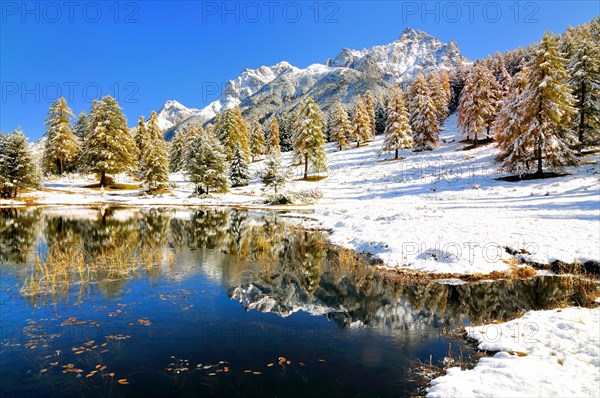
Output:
[[215, 295]]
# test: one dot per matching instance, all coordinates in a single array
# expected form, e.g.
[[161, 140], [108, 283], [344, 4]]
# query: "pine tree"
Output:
[[584, 72], [207, 164], [340, 126], [62, 147], [380, 118], [423, 116], [17, 167], [109, 147], [542, 127], [398, 134], [274, 136], [309, 142], [275, 175], [154, 167], [370, 108], [142, 138], [257, 140], [238, 170], [81, 126], [478, 102], [360, 123], [243, 135]]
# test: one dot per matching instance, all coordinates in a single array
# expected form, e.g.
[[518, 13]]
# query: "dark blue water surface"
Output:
[[222, 303]]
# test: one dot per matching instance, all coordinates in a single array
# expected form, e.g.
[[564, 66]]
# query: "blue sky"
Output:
[[144, 53]]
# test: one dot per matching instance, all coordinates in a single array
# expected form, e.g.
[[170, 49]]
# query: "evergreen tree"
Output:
[[380, 118], [397, 131], [177, 151], [275, 175], [340, 126], [62, 147], [154, 167], [17, 167], [370, 108], [287, 129], [360, 123], [423, 116], [478, 103], [244, 136], [584, 72], [81, 126], [238, 170], [274, 136], [207, 164], [257, 140], [109, 147], [309, 142], [542, 127]]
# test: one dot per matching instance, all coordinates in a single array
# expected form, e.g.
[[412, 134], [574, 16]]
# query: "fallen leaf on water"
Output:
[[98, 366], [256, 373], [111, 374], [104, 345], [102, 368], [301, 363], [54, 363], [270, 364], [78, 352], [212, 374], [288, 362], [247, 371], [321, 360], [43, 370], [122, 381], [89, 375]]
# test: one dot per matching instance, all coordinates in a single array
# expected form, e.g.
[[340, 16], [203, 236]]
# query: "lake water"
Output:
[[212, 302]]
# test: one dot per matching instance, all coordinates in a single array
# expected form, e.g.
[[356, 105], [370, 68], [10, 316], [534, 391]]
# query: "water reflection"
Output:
[[265, 264]]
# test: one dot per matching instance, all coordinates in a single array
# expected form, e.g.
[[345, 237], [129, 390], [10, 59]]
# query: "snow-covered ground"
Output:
[[441, 211], [551, 353]]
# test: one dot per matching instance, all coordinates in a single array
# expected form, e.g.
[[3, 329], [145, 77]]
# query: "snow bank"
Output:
[[542, 354]]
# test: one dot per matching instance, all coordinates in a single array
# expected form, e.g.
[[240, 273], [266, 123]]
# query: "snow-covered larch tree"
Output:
[[340, 126], [275, 175], [370, 108], [177, 151], [109, 147], [154, 170], [360, 128], [142, 138], [398, 134], [423, 115], [478, 102], [273, 145], [308, 141], [239, 175], [207, 164], [257, 140], [543, 129], [81, 126], [62, 146]]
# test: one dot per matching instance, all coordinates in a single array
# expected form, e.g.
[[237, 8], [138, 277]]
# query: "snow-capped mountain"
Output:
[[280, 87], [173, 113], [401, 60]]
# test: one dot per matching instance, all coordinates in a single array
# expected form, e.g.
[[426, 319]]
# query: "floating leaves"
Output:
[[144, 322], [122, 381]]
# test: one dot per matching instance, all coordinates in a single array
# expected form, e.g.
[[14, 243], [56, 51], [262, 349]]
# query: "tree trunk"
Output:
[[357, 143], [59, 164], [539, 159], [475, 139], [102, 178], [396, 157], [305, 166]]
